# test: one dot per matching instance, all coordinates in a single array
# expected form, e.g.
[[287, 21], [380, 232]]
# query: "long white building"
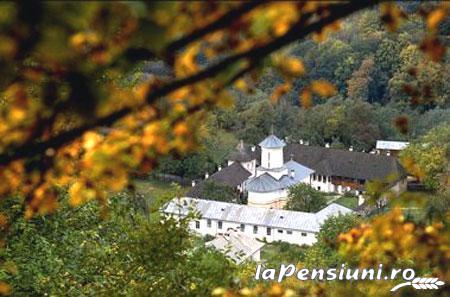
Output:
[[216, 218]]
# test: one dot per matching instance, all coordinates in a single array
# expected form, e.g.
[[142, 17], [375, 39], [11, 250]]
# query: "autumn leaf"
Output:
[[306, 98], [435, 18], [294, 67], [433, 48], [391, 15], [280, 91], [323, 88]]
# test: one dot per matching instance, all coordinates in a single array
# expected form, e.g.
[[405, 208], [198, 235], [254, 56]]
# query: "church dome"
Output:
[[272, 141]]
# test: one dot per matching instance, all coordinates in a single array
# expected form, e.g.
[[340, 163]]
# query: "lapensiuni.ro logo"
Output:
[[346, 273]]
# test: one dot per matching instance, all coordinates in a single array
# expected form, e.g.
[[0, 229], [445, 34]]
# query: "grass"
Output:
[[156, 192], [348, 201], [281, 252]]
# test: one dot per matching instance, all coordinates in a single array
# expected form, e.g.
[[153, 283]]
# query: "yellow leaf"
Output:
[[280, 91], [435, 18], [5, 289], [225, 101], [240, 84], [306, 98], [323, 88], [90, 140], [295, 67], [391, 15], [180, 129]]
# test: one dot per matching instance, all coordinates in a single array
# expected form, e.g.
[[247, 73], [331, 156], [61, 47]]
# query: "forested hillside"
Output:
[[376, 72]]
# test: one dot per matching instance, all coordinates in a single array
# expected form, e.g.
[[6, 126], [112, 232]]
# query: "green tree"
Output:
[[304, 198], [324, 252], [428, 157], [219, 192], [76, 252]]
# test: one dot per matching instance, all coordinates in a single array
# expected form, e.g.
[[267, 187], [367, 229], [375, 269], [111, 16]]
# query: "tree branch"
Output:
[[220, 23], [337, 11]]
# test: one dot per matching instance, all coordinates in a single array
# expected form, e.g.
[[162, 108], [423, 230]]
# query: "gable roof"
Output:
[[272, 141], [239, 213], [267, 183], [236, 245], [242, 153], [231, 176], [330, 210], [344, 163]]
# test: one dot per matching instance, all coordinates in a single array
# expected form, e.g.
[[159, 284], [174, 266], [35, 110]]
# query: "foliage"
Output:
[[79, 112], [324, 252], [282, 252], [428, 158], [219, 192], [75, 252], [302, 197]]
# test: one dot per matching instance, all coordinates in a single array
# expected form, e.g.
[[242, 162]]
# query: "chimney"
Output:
[[193, 183], [219, 168], [388, 153], [241, 145], [327, 145], [253, 148], [206, 175], [350, 148], [292, 173], [301, 141]]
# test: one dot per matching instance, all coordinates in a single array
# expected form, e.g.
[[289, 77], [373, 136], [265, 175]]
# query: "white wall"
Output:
[[275, 199], [272, 157], [250, 166], [322, 183], [297, 237], [400, 186]]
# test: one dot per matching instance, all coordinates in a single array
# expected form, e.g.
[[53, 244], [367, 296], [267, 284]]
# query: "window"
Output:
[[255, 229], [318, 188], [219, 224], [280, 231], [208, 223], [269, 231], [197, 224], [242, 227], [320, 178], [289, 232], [304, 234]]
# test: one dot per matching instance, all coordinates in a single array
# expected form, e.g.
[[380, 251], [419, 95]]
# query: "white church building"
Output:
[[268, 186], [264, 173]]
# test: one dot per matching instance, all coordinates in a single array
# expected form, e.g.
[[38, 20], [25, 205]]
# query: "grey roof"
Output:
[[300, 171], [243, 153], [336, 162], [231, 212], [344, 163], [231, 176], [272, 141], [236, 245], [330, 210], [267, 183]]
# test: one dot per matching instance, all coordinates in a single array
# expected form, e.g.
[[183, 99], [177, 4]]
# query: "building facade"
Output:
[[263, 175], [217, 218]]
